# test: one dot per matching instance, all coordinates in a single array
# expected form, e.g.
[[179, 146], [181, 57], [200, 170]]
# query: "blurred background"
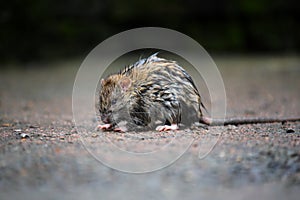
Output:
[[35, 30]]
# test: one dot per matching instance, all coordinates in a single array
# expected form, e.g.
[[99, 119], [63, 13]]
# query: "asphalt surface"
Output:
[[44, 156]]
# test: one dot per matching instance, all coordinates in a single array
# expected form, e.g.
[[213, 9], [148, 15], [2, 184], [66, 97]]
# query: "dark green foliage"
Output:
[[47, 29]]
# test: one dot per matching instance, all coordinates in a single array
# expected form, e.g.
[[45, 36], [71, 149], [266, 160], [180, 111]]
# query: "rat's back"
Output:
[[160, 82]]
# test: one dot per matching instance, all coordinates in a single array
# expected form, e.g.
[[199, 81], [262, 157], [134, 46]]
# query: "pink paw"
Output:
[[167, 128], [120, 129], [104, 127]]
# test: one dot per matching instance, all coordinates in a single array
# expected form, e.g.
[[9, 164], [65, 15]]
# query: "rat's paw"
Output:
[[120, 129], [167, 128], [104, 127], [205, 120]]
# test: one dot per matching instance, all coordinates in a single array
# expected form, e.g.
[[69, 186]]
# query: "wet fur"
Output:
[[151, 90]]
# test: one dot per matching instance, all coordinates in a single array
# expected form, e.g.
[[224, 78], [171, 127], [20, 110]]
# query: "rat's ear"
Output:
[[105, 82], [102, 81], [125, 83]]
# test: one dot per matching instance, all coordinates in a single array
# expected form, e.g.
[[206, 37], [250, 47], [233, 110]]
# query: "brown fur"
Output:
[[153, 89]]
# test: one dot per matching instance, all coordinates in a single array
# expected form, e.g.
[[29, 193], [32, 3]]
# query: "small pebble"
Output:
[[291, 153], [34, 126], [222, 154], [265, 135], [94, 135], [24, 135], [290, 130], [239, 159], [231, 127], [6, 125]]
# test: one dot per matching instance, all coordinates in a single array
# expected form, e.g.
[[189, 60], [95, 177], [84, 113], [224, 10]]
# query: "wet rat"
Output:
[[154, 92]]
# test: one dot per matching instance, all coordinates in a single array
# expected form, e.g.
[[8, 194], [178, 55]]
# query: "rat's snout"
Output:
[[106, 118]]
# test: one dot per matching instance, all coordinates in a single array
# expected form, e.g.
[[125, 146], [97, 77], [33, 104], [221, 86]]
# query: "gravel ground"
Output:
[[42, 155]]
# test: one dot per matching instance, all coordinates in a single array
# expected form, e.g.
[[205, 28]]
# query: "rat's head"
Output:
[[113, 97]]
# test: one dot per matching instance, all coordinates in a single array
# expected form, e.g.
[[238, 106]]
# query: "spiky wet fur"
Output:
[[159, 90]]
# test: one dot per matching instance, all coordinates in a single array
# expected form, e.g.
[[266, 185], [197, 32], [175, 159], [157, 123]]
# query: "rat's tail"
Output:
[[239, 121]]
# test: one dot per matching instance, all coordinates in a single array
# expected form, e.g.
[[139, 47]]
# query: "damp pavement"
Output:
[[44, 156]]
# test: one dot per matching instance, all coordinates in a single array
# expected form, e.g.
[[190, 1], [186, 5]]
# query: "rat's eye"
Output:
[[113, 102]]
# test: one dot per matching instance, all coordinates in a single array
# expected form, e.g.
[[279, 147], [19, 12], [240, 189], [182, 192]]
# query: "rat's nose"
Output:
[[106, 121], [105, 118]]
